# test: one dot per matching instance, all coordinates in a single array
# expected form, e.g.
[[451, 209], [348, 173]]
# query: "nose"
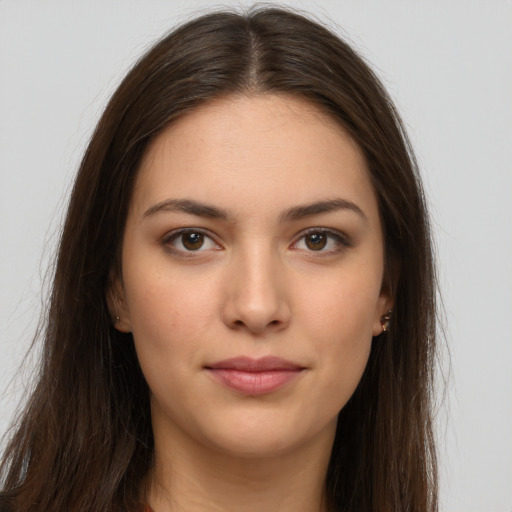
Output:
[[257, 296]]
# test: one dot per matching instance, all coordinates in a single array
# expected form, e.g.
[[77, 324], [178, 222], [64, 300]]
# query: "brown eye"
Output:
[[189, 241], [316, 241], [192, 241], [322, 241]]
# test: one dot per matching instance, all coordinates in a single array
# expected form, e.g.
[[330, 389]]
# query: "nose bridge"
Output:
[[257, 295]]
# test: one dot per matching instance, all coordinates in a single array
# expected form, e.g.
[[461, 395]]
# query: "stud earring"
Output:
[[385, 320]]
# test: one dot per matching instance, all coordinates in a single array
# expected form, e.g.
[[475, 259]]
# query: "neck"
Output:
[[188, 476]]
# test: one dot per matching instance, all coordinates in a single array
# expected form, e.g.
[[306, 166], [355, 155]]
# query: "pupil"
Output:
[[193, 241], [316, 241]]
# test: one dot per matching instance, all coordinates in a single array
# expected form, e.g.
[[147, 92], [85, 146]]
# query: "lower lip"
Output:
[[254, 383]]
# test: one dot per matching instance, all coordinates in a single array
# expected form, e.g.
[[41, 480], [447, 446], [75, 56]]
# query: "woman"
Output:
[[243, 309]]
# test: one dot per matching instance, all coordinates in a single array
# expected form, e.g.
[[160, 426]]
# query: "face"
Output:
[[252, 270]]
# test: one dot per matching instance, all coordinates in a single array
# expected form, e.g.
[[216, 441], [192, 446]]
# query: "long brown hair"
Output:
[[84, 441]]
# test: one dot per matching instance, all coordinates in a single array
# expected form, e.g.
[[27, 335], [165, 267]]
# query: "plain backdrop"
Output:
[[448, 66]]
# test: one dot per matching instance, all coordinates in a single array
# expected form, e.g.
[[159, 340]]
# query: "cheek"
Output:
[[342, 358], [342, 307], [169, 317], [339, 323], [173, 301]]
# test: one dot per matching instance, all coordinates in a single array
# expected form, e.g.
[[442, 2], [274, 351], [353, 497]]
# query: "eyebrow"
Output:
[[316, 208], [187, 206], [295, 213]]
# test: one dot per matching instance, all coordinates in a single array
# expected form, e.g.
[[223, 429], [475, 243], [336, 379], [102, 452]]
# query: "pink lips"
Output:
[[254, 376]]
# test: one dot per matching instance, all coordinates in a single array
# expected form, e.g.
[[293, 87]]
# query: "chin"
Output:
[[255, 445], [264, 438]]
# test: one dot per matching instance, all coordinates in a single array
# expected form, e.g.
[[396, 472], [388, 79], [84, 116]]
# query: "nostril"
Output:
[[241, 323]]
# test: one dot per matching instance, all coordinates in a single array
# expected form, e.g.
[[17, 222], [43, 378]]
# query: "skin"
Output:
[[257, 286]]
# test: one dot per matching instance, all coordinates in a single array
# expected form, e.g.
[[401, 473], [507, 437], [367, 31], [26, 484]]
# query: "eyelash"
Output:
[[175, 235], [341, 242]]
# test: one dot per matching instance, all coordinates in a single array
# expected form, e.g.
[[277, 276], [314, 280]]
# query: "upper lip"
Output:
[[248, 364]]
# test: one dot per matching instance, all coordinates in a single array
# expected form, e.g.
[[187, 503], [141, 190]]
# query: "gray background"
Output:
[[448, 66]]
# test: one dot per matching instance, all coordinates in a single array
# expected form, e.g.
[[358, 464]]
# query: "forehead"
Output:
[[245, 150]]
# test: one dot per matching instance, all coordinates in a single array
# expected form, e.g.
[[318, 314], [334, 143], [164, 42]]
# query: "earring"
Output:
[[386, 320]]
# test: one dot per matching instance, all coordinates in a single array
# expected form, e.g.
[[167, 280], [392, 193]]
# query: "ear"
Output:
[[386, 301], [383, 314], [117, 307]]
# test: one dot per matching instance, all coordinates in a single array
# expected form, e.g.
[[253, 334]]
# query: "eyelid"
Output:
[[341, 239], [176, 233]]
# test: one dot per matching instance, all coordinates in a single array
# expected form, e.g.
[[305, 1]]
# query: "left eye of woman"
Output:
[[319, 240]]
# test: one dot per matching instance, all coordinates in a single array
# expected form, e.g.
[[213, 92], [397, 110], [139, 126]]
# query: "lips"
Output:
[[255, 376]]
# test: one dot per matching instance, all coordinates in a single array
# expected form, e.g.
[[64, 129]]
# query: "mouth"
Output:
[[255, 376]]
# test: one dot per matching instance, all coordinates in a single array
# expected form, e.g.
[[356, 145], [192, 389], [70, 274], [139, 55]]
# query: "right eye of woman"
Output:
[[189, 241]]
